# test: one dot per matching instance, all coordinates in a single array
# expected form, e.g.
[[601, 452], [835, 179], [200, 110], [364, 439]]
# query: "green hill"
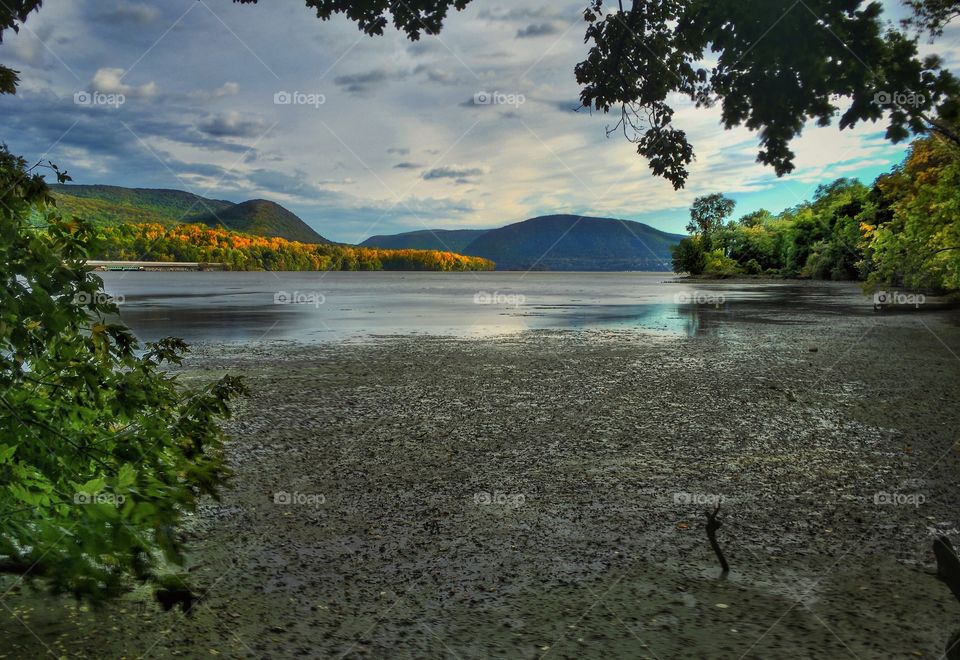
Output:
[[570, 242], [115, 205], [262, 217], [449, 240]]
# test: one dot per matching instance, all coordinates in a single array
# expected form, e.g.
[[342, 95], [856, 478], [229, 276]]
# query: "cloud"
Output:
[[110, 81], [233, 124], [130, 13], [366, 81], [358, 83], [224, 90], [30, 47], [455, 172], [564, 106], [280, 182], [516, 13], [407, 166], [399, 151], [438, 75], [537, 30]]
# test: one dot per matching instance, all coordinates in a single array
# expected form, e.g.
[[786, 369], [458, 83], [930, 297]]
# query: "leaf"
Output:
[[7, 452], [126, 477], [93, 486]]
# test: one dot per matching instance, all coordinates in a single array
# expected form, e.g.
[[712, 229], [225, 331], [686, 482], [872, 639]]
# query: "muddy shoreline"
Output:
[[542, 495]]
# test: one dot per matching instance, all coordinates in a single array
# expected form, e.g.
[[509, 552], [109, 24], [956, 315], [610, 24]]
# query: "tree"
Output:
[[932, 15], [101, 452], [707, 216], [12, 14], [689, 257], [412, 17], [755, 219], [917, 243], [778, 64]]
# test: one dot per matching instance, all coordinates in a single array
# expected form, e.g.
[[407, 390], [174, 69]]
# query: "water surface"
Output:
[[241, 306]]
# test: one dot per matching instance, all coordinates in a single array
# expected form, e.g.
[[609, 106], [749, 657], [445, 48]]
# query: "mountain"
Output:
[[448, 240], [262, 218], [115, 205], [112, 205], [571, 242]]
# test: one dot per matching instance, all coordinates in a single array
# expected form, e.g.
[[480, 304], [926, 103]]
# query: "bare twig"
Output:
[[712, 526]]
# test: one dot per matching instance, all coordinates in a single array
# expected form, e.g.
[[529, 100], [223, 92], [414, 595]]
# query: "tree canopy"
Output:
[[412, 17], [708, 213], [101, 451], [932, 15], [903, 231], [12, 14], [776, 65]]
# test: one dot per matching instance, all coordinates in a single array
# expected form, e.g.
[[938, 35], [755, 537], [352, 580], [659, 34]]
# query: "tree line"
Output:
[[901, 231], [197, 242]]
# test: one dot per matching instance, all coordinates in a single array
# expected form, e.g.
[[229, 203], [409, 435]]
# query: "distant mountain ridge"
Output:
[[556, 242], [452, 240], [114, 205], [573, 242]]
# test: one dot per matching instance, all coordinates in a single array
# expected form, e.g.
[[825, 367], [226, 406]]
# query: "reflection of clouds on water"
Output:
[[220, 306]]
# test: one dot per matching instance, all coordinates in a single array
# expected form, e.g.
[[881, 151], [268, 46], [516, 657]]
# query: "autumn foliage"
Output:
[[155, 242]]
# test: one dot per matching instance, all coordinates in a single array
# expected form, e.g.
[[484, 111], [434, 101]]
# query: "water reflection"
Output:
[[253, 306]]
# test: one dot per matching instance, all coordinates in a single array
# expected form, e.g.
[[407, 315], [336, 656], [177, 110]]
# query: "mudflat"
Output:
[[543, 494]]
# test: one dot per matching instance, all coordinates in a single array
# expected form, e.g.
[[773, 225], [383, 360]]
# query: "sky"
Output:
[[361, 135]]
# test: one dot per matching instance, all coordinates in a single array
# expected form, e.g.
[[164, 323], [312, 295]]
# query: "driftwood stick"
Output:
[[712, 526]]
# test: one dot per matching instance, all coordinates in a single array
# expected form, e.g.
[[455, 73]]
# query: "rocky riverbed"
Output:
[[543, 494]]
